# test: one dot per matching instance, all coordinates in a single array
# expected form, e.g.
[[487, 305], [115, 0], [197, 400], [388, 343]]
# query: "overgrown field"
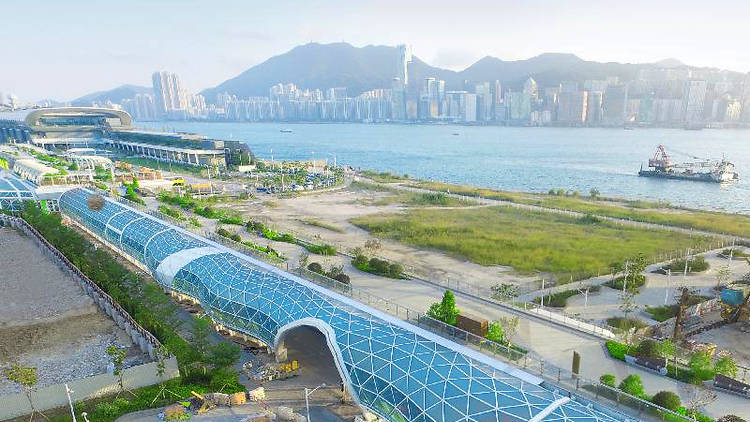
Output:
[[525, 240], [649, 212]]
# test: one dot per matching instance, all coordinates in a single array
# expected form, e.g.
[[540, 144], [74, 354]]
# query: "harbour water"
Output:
[[508, 158]]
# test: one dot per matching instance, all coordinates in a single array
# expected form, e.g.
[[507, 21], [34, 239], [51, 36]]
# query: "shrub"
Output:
[[106, 409], [696, 265], [395, 270], [726, 366], [634, 282], [616, 350], [626, 323], [233, 219], [326, 250], [557, 300], [632, 385], [445, 310], [495, 332], [315, 267], [589, 219], [667, 400], [649, 349], [608, 380], [343, 278], [236, 237], [223, 232]]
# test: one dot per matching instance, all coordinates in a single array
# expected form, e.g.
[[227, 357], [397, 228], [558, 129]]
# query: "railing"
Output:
[[65, 263], [556, 379]]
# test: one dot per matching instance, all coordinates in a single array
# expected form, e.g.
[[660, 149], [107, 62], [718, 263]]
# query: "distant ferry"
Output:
[[285, 130], [456, 133], [700, 169]]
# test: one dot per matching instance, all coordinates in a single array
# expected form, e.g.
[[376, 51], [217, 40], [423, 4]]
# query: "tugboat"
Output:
[[700, 169], [285, 130]]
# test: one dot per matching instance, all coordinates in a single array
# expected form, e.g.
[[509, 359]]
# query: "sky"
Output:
[[64, 49]]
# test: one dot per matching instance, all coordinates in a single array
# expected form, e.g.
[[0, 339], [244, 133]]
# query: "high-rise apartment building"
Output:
[[694, 98], [484, 102], [531, 89], [398, 100], [594, 108], [614, 105], [168, 93], [572, 107]]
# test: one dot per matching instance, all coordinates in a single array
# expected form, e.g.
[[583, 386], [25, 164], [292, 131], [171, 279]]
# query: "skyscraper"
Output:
[[531, 89], [484, 101], [168, 93], [614, 104], [572, 107], [403, 63], [694, 98], [398, 100]]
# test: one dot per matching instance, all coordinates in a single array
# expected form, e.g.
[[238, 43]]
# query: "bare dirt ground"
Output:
[[46, 320], [338, 207]]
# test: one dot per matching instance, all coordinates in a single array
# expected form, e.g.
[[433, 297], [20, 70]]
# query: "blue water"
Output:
[[509, 158]]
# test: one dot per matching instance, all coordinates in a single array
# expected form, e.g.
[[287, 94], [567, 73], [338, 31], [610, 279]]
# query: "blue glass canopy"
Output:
[[397, 370]]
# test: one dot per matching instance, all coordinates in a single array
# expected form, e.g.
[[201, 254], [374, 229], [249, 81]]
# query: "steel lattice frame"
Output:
[[399, 371]]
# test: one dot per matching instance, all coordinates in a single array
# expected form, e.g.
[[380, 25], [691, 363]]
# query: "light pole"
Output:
[[309, 392]]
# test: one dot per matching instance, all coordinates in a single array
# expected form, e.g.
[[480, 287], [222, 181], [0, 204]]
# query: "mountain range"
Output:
[[360, 69], [115, 95]]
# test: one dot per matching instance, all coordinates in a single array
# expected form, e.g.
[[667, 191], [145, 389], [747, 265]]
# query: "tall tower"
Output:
[[404, 58]]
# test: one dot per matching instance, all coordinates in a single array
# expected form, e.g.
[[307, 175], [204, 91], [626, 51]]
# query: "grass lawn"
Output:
[[159, 165], [649, 212], [525, 240], [410, 199]]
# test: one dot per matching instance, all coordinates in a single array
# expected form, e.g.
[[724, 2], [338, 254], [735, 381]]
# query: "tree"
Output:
[[617, 268], [594, 193], [201, 331], [445, 310], [726, 366], [117, 357], [700, 363], [730, 418], [162, 353], [510, 326], [667, 400], [224, 355], [632, 385], [668, 349], [697, 397], [27, 378], [627, 306], [135, 183], [723, 274]]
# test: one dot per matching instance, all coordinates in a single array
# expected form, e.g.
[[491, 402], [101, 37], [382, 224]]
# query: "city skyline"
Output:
[[240, 36]]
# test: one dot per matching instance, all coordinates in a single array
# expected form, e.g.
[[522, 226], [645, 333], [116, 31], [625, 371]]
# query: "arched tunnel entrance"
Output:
[[312, 345]]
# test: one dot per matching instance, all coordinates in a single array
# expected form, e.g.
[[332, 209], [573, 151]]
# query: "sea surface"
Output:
[[508, 158]]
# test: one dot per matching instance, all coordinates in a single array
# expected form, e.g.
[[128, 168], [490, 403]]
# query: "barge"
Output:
[[700, 169]]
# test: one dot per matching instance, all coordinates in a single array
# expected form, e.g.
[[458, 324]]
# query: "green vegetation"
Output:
[[322, 225], [632, 385], [202, 207], [143, 300], [649, 212], [608, 380], [526, 240], [667, 400], [194, 222], [735, 253], [695, 265], [172, 212], [664, 312], [445, 310], [336, 272], [560, 299], [626, 323], [158, 165], [109, 408], [633, 282], [413, 199], [325, 250], [384, 176], [377, 266]]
